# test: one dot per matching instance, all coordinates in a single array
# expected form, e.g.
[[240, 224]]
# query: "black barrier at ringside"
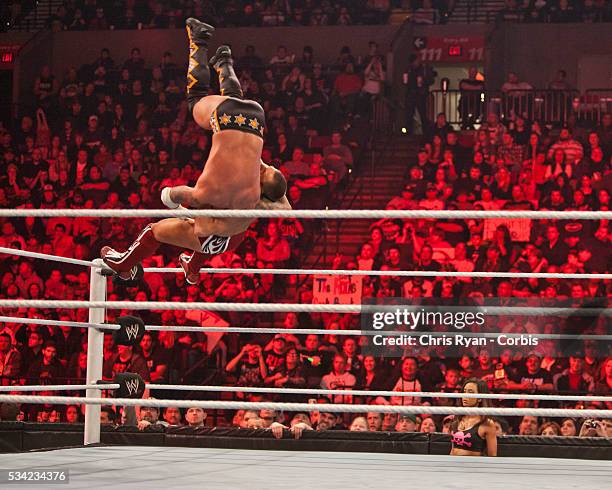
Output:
[[26, 436]]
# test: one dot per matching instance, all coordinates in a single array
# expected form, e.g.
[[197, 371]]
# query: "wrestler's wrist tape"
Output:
[[167, 200]]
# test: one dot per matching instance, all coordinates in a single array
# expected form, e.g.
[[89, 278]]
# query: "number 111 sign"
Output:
[[468, 49]]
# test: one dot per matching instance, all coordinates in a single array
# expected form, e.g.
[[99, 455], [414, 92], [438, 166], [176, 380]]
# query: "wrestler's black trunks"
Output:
[[242, 115]]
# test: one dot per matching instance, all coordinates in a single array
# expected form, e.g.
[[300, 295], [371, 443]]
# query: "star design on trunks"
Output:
[[225, 119], [240, 119], [254, 124]]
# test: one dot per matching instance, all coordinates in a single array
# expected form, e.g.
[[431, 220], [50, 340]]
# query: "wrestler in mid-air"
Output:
[[234, 176]]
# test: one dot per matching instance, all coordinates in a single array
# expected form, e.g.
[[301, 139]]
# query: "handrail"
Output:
[[30, 41], [400, 30], [465, 108], [593, 103], [391, 106]]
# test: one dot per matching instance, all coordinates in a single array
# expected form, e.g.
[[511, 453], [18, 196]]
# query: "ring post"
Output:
[[95, 354]]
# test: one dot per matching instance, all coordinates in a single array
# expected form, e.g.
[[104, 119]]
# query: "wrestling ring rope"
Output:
[[97, 306]]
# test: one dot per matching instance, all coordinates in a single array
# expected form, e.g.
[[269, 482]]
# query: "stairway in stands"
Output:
[[476, 11], [38, 17], [373, 188]]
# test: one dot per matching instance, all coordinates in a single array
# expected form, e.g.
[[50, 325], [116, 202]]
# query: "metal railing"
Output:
[[383, 114], [593, 104], [466, 108], [523, 15]]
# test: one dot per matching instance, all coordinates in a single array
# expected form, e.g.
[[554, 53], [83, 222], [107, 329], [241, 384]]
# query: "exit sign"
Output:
[[454, 50], [7, 57]]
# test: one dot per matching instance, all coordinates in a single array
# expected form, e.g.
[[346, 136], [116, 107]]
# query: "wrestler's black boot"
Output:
[[198, 73], [224, 64]]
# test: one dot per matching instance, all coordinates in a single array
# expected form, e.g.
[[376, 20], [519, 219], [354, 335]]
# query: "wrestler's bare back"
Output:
[[230, 179], [231, 175]]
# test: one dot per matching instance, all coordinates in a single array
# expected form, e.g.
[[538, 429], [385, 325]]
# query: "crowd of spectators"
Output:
[[133, 14], [78, 15], [110, 136], [81, 15]]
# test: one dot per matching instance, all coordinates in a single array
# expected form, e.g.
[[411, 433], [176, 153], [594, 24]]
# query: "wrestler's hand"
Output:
[[167, 200]]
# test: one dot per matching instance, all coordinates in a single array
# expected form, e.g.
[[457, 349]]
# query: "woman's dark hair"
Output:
[[553, 158], [507, 237], [376, 228], [564, 178], [373, 358], [33, 285], [506, 232], [502, 422], [291, 349], [483, 388], [79, 418], [573, 421]]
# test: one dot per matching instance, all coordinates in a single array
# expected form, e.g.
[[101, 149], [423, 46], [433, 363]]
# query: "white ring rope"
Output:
[[311, 391], [295, 331], [57, 323], [52, 258], [97, 307], [282, 307], [309, 407], [309, 213], [328, 272], [347, 272], [21, 388], [419, 394], [358, 333]]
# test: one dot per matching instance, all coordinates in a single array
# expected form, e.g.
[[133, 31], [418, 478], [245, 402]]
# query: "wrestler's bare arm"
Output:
[[195, 198], [188, 196]]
